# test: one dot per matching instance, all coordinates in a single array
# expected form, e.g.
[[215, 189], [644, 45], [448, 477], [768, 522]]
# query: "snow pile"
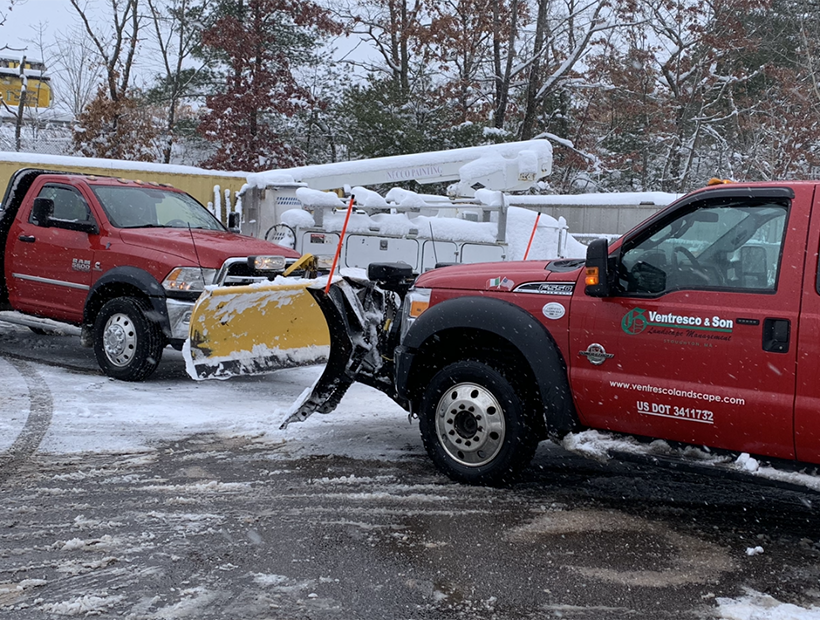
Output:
[[316, 198], [367, 198], [261, 180], [88, 605], [545, 243], [406, 199], [599, 446], [297, 218], [758, 606]]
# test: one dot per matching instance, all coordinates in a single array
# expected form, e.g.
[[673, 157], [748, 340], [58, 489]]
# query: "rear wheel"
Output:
[[474, 425], [127, 344]]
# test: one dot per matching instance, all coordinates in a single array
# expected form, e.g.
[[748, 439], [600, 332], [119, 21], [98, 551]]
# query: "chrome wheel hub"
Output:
[[120, 339], [470, 424]]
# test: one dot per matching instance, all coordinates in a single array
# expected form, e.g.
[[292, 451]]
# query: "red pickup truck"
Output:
[[700, 326], [125, 260]]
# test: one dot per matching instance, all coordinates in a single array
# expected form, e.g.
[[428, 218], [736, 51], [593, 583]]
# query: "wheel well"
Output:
[[451, 345], [105, 294]]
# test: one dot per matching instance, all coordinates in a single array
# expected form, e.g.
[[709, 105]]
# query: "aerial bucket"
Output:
[[254, 329]]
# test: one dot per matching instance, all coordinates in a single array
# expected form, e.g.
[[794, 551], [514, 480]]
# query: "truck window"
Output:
[[145, 207], [69, 204], [727, 246]]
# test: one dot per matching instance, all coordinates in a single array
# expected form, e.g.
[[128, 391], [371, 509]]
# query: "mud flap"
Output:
[[244, 330]]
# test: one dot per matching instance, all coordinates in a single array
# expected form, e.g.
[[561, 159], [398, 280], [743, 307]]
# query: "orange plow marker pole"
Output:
[[339, 247], [532, 235]]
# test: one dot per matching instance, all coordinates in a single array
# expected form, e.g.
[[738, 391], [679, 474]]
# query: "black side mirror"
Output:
[[234, 220], [598, 277], [42, 211]]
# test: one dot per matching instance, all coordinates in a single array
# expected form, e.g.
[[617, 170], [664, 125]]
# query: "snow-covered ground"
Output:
[[93, 413]]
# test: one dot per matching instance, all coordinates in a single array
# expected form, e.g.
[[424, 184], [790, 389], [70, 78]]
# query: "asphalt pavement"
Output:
[[215, 527]]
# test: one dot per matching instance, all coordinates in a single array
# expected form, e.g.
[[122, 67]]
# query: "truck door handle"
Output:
[[776, 334], [27, 238]]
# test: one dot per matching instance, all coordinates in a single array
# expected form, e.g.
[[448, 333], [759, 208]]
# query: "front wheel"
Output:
[[127, 344], [474, 425]]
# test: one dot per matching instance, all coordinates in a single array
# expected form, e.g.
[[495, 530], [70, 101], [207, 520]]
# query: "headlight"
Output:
[[323, 262], [188, 279], [275, 264], [416, 301]]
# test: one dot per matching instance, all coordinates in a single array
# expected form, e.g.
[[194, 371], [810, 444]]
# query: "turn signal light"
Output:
[[592, 277], [417, 307]]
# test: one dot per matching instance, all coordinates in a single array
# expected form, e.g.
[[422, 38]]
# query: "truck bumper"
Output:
[[179, 318]]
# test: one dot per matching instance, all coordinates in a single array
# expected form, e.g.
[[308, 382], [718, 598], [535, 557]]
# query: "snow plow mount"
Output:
[[362, 320]]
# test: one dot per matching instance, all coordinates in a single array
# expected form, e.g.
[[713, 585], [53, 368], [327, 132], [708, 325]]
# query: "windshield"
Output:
[[145, 207]]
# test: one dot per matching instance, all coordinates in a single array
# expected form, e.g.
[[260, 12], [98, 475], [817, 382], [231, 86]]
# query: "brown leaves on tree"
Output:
[[121, 129]]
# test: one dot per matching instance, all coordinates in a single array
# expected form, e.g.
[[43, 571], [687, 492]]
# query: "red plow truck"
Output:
[[698, 326]]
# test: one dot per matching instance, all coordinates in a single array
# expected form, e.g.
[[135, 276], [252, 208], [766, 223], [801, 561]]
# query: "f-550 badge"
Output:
[[79, 264]]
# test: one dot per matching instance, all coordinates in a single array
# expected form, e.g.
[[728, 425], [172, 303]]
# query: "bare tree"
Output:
[[392, 27], [505, 38], [78, 70], [562, 38], [116, 44], [176, 31], [7, 6]]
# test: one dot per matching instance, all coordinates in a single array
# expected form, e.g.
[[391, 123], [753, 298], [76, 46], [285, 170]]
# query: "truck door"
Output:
[[807, 402], [699, 342], [49, 268]]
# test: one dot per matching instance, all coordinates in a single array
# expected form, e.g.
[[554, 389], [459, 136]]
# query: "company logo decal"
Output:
[[638, 320]]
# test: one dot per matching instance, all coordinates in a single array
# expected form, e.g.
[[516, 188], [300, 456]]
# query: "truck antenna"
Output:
[[196, 253]]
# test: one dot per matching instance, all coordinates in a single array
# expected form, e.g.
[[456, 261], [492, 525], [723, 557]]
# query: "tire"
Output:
[[127, 344], [474, 426]]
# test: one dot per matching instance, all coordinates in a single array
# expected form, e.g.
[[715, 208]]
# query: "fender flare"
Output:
[[514, 325], [131, 277]]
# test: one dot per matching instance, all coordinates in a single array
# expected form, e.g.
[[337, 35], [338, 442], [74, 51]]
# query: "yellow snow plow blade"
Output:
[[242, 330]]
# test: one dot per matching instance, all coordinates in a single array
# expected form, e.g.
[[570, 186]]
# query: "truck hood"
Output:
[[210, 247], [499, 276]]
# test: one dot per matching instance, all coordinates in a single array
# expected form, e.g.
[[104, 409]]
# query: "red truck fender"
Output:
[[469, 327]]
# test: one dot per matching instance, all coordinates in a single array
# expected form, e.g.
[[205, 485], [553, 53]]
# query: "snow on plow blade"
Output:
[[245, 330]]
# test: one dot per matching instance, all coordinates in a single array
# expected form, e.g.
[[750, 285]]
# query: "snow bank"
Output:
[[757, 606]]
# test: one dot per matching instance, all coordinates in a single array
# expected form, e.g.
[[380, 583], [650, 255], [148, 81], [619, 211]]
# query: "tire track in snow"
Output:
[[41, 408]]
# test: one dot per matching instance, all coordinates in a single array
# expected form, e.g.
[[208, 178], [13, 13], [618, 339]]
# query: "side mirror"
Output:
[[42, 211], [598, 277], [234, 221]]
